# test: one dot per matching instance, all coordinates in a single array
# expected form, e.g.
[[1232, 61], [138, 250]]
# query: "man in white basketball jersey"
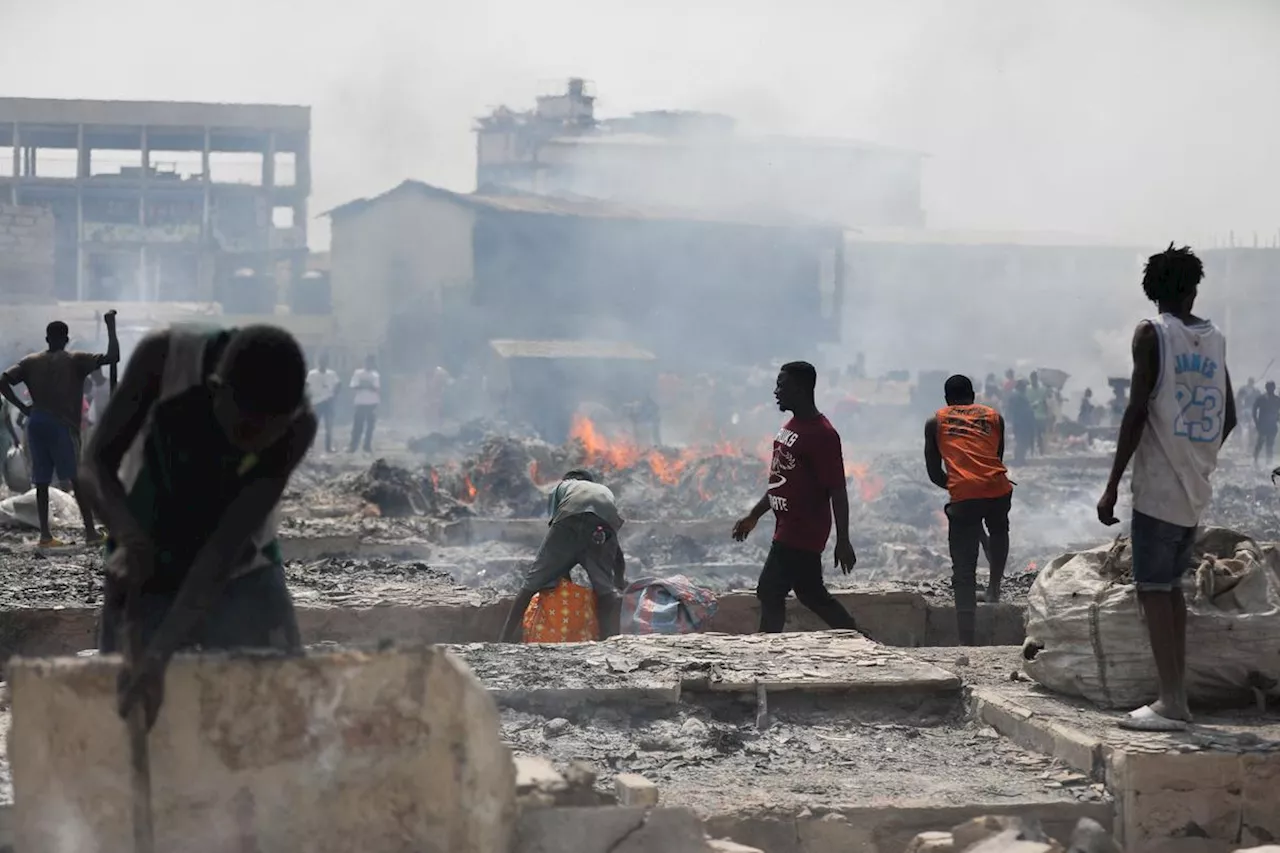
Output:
[[1181, 409]]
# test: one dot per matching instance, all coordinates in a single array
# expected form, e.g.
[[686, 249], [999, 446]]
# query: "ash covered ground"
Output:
[[680, 504]]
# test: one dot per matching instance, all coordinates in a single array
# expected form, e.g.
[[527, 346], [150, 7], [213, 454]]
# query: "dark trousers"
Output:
[[787, 569], [965, 528], [1266, 442], [253, 611], [1022, 441], [583, 540], [324, 413], [363, 422]]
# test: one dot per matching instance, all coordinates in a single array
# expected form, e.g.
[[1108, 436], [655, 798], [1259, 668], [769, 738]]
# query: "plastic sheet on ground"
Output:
[[1083, 617], [20, 510]]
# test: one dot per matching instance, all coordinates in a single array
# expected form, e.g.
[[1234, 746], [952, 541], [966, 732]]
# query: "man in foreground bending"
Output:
[[224, 421]]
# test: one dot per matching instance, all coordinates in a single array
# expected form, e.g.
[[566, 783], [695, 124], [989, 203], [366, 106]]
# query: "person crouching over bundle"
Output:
[[550, 607]]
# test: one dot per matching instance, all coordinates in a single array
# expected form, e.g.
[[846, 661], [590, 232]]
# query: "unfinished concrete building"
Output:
[[694, 160], [175, 202]]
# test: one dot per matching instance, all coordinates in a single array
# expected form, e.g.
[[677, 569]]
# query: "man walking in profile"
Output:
[[806, 485], [964, 454], [1180, 412]]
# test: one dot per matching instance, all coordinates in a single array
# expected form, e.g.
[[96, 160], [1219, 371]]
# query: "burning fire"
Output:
[[1031, 567], [470, 488], [668, 466], [869, 485]]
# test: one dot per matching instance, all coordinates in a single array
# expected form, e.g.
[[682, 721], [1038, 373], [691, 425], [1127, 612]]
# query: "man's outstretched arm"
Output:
[[125, 414]]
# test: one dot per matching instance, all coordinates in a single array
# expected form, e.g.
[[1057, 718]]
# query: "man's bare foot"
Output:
[[1172, 711]]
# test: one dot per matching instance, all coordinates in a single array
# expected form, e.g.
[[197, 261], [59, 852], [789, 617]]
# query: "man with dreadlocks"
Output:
[[1180, 411]]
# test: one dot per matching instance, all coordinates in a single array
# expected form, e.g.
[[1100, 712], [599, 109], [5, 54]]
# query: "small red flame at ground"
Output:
[[1031, 567], [870, 485], [435, 479], [470, 489]]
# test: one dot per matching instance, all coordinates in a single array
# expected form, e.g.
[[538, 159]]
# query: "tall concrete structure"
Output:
[[164, 201], [694, 161]]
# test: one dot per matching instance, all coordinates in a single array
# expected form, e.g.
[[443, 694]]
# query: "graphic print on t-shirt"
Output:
[[783, 461], [805, 467]]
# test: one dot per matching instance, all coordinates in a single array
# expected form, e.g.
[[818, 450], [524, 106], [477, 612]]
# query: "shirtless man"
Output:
[[193, 558], [1180, 411], [55, 380]]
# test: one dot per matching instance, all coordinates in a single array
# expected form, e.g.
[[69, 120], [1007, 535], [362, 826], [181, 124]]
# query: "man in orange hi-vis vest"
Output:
[[964, 452]]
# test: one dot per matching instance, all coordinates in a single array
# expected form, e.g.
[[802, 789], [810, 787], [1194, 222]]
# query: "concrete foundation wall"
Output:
[[396, 750], [26, 254]]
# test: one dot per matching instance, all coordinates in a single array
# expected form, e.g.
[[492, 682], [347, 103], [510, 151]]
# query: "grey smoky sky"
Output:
[[1109, 117]]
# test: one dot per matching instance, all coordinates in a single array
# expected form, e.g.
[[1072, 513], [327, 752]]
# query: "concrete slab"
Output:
[[1219, 780], [448, 615], [394, 750], [883, 828], [659, 669]]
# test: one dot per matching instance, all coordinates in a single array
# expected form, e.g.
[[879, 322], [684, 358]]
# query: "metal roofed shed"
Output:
[[571, 349], [544, 382]]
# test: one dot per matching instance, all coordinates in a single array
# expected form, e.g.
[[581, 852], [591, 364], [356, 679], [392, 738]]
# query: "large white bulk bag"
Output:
[[1086, 632]]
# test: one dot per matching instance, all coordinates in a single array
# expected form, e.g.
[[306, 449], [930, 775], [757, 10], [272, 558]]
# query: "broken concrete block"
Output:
[[635, 790], [1009, 842], [832, 831], [978, 829], [609, 829], [1090, 837], [538, 784], [724, 845], [932, 842], [1260, 798], [391, 751]]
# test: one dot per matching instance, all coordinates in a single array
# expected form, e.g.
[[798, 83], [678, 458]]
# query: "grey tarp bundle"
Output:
[[17, 473], [20, 510], [1089, 640]]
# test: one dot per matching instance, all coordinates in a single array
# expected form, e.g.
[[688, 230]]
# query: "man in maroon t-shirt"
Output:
[[806, 482]]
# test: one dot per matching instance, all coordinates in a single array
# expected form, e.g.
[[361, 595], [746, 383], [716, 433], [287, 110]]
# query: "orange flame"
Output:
[[435, 479], [1031, 567], [470, 487], [616, 454], [870, 485]]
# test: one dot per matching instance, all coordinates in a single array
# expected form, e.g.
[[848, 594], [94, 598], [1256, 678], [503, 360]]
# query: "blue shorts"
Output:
[[1161, 553], [53, 449]]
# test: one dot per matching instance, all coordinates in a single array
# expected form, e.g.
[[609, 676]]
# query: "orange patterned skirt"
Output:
[[566, 614]]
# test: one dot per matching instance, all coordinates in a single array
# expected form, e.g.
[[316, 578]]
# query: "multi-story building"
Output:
[[695, 161], [170, 202]]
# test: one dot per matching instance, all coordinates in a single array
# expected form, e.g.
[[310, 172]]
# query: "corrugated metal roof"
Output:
[[571, 349], [582, 207], [949, 237]]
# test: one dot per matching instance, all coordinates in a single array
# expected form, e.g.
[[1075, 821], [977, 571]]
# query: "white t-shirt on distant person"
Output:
[[368, 387], [321, 385]]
